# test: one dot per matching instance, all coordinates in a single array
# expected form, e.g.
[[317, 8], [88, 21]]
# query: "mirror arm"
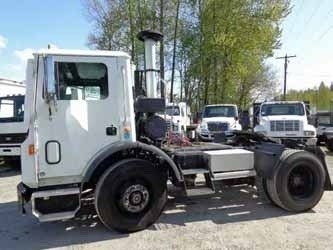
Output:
[[52, 102], [50, 89]]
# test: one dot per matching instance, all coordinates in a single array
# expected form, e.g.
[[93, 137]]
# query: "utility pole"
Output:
[[286, 57]]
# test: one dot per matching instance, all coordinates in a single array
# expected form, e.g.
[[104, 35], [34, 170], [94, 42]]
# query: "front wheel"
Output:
[[131, 195]]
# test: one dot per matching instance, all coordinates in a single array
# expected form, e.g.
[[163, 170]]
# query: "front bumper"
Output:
[[10, 150], [210, 136], [307, 140]]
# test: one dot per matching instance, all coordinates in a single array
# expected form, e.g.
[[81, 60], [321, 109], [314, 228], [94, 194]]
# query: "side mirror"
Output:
[[49, 79], [236, 118]]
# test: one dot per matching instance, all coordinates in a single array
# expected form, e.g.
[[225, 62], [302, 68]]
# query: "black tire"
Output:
[[329, 144], [261, 186], [118, 182], [2, 161], [298, 181]]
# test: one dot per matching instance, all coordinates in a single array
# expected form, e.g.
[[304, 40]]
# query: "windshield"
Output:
[[282, 109], [172, 110], [11, 109], [219, 111]]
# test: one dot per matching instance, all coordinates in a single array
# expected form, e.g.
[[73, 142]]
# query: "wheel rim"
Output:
[[301, 182], [135, 198]]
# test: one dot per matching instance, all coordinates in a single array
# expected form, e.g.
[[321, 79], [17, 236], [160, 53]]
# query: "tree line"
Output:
[[321, 98], [214, 51]]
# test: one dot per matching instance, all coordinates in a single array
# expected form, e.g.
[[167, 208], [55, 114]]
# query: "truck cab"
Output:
[[89, 140], [217, 119], [13, 129], [177, 116], [324, 125], [86, 85], [285, 120]]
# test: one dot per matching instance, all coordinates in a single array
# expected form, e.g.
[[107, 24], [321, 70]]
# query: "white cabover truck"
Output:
[[285, 120], [13, 129], [110, 147], [13, 125], [216, 119], [177, 116]]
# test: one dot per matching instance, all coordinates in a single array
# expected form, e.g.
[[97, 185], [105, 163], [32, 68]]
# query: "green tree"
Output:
[[216, 47], [320, 97]]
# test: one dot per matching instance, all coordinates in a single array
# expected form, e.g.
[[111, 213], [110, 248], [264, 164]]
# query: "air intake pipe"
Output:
[[150, 39]]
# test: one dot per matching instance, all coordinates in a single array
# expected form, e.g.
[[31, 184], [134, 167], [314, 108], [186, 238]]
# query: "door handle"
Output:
[[111, 131]]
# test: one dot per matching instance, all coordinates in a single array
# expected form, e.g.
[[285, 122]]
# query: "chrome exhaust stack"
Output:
[[150, 39]]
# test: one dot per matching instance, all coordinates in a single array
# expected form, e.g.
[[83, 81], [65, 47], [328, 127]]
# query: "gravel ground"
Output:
[[236, 219]]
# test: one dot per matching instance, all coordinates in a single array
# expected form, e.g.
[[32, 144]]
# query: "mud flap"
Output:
[[20, 199]]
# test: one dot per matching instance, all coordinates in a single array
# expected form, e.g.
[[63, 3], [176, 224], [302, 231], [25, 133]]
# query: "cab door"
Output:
[[85, 117]]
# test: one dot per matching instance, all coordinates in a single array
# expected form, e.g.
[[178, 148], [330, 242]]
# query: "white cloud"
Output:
[[24, 55], [3, 42], [16, 70]]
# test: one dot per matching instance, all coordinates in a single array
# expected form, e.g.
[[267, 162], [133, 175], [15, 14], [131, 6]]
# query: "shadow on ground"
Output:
[[234, 205], [25, 232], [9, 171]]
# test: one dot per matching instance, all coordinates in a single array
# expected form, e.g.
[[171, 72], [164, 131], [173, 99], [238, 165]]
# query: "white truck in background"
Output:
[[13, 125], [217, 119], [111, 149], [177, 116], [285, 120]]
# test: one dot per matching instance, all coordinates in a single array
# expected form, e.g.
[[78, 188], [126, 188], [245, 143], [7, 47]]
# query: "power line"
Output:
[[316, 40], [314, 12], [325, 33], [297, 14], [309, 19]]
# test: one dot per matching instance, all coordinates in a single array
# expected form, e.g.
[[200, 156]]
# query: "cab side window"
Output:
[[81, 81]]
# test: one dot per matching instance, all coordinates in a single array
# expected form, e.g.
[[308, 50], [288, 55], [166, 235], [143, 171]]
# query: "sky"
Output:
[[308, 34], [27, 25]]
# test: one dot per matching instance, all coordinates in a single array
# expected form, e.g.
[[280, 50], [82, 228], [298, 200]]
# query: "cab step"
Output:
[[192, 171], [199, 191], [198, 182], [67, 204]]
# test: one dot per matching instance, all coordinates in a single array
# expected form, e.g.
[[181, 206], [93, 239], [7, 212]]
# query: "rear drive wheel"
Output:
[[261, 185], [131, 195], [298, 183]]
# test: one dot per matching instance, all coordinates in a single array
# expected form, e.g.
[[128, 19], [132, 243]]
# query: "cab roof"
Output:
[[70, 52], [215, 105], [282, 102]]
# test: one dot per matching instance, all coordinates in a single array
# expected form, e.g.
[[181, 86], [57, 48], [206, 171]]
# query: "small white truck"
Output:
[[324, 124], [13, 123], [13, 129], [285, 120], [217, 119], [107, 147], [177, 116]]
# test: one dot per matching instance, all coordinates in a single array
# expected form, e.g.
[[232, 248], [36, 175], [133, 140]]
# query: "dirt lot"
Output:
[[236, 219]]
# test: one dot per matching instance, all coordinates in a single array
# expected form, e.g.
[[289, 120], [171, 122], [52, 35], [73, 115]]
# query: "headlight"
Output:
[[204, 125], [309, 133]]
